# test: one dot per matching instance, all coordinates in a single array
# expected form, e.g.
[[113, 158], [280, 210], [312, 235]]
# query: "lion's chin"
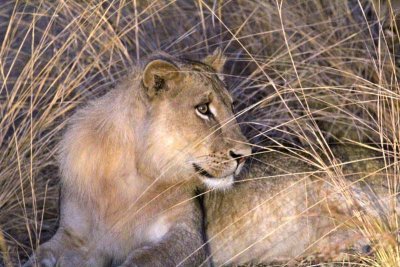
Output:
[[218, 183]]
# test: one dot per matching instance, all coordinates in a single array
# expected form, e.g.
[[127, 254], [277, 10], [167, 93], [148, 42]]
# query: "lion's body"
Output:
[[104, 210], [132, 160], [284, 210]]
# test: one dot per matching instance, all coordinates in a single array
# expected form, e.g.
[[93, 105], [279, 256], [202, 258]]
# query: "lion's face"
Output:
[[192, 130]]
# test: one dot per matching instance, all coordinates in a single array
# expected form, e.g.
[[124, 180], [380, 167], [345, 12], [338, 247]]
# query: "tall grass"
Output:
[[319, 72]]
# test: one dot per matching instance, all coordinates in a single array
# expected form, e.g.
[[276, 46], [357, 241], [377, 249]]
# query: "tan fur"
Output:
[[127, 164], [284, 210]]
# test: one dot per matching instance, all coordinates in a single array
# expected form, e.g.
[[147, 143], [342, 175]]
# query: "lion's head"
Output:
[[191, 129], [171, 121]]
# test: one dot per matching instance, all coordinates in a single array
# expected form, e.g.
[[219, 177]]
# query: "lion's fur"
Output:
[[100, 142], [285, 210], [138, 144], [129, 180]]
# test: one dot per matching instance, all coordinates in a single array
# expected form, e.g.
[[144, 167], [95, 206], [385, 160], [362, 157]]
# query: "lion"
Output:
[[131, 162], [134, 161], [284, 210]]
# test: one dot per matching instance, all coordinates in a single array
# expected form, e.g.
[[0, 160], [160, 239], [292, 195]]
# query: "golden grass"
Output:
[[318, 72]]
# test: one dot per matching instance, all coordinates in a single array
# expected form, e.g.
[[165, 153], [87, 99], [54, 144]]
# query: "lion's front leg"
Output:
[[345, 200], [66, 249], [70, 245], [183, 245], [63, 244], [349, 207]]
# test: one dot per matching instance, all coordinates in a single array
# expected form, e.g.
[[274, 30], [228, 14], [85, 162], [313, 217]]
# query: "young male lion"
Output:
[[131, 161]]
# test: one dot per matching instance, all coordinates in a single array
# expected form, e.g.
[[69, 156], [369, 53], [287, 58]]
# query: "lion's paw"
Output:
[[43, 259]]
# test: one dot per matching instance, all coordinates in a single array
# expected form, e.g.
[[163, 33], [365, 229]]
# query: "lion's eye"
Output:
[[203, 109]]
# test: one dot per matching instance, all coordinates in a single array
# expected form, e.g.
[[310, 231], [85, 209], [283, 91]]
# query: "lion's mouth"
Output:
[[202, 171], [212, 181]]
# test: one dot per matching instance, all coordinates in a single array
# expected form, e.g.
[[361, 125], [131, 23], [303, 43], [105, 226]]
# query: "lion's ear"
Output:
[[157, 74], [216, 60]]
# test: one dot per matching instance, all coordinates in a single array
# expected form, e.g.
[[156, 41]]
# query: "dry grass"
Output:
[[320, 72]]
